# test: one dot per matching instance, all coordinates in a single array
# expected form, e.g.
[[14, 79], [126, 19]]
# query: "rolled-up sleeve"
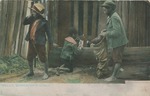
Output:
[[28, 20]]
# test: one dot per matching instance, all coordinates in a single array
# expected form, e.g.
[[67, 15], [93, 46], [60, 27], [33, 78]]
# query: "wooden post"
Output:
[[76, 15], [64, 22], [4, 24], [53, 19], [102, 18], [22, 34], [94, 19], [10, 27], [85, 21]]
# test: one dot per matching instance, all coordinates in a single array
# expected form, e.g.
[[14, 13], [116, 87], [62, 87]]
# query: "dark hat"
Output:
[[38, 8], [109, 3], [72, 30]]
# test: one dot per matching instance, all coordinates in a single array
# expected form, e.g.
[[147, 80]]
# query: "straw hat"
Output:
[[38, 8]]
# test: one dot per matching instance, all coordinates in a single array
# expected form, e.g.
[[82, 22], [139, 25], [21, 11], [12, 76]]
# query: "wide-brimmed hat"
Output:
[[38, 8], [109, 3]]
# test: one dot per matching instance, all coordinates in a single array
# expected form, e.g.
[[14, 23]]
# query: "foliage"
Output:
[[12, 64]]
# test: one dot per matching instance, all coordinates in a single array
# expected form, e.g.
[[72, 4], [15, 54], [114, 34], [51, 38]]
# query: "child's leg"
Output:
[[70, 66]]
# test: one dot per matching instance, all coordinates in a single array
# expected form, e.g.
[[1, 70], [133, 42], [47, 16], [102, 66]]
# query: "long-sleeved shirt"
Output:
[[41, 31]]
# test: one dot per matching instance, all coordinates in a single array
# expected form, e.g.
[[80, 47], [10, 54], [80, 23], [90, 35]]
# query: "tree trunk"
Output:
[[132, 55]]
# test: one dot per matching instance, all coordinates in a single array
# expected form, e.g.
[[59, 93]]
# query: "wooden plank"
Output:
[[72, 13], [136, 31], [10, 27], [9, 6], [80, 18], [148, 20], [90, 12], [21, 35], [23, 30], [1, 27], [127, 20], [76, 15], [143, 31], [55, 31], [64, 23], [94, 19], [125, 15], [119, 8], [17, 30], [102, 18], [147, 25], [85, 21], [97, 18], [18, 20], [140, 25], [136, 26], [146, 31], [4, 23], [131, 24], [53, 18]]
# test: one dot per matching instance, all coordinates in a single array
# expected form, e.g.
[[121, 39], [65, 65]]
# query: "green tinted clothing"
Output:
[[116, 33], [69, 51]]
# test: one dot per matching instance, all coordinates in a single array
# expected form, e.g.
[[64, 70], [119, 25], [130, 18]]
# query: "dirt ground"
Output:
[[82, 75]]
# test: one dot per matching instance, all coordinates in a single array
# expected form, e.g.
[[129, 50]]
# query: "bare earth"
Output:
[[82, 75]]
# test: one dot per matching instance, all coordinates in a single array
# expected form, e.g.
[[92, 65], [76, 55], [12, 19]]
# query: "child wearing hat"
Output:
[[38, 29], [115, 36]]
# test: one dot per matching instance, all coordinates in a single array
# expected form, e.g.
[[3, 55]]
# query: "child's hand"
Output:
[[103, 34], [104, 30], [55, 45]]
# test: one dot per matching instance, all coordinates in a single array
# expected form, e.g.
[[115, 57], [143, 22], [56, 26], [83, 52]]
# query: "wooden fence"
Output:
[[86, 16], [11, 29]]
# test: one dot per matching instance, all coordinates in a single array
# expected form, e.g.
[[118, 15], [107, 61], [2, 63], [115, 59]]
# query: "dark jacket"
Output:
[[42, 30], [69, 50]]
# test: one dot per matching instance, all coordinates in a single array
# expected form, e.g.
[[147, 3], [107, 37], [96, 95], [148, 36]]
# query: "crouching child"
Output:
[[70, 49]]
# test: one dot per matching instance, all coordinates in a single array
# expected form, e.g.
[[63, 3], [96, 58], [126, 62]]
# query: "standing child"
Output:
[[115, 36], [38, 29]]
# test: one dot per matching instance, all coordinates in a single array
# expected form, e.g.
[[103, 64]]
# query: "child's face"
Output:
[[74, 35], [33, 13], [107, 10]]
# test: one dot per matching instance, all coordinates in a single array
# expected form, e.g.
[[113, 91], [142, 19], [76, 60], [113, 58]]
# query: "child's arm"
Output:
[[96, 40]]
